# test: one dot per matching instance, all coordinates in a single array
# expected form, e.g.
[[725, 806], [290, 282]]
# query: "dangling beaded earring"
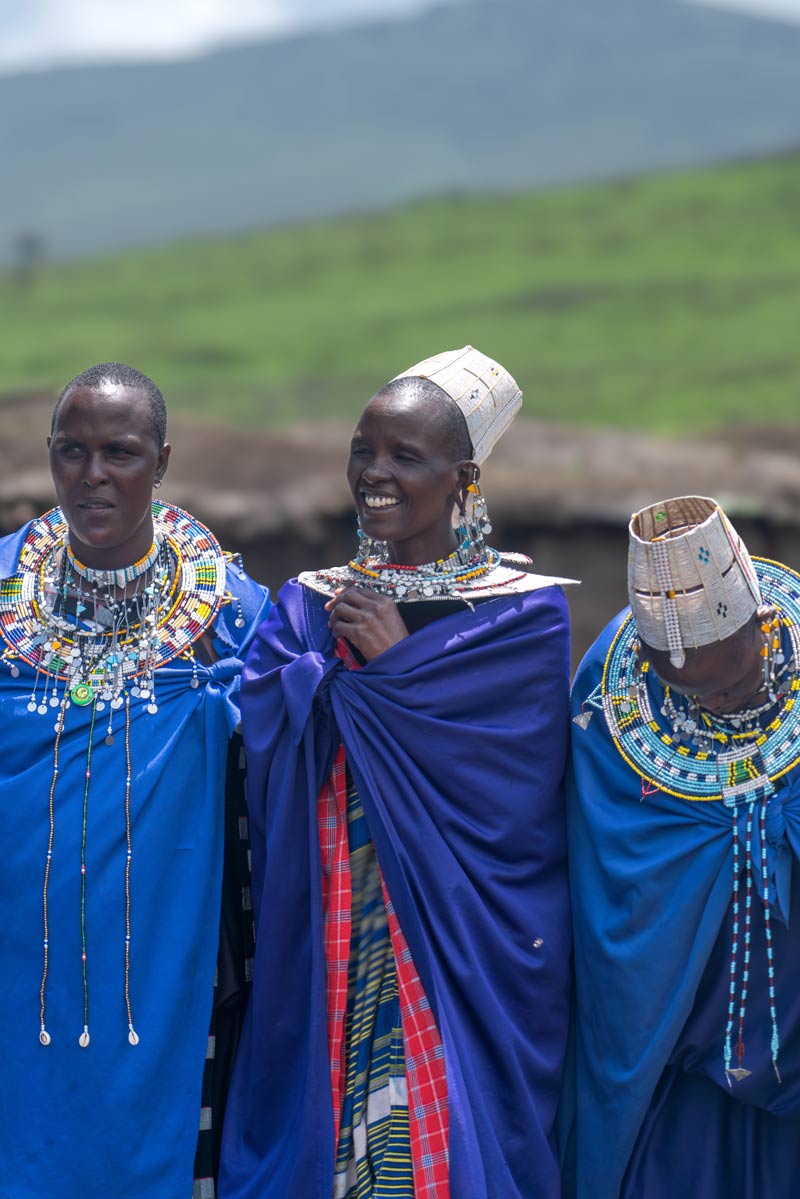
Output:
[[473, 523], [480, 515], [771, 655]]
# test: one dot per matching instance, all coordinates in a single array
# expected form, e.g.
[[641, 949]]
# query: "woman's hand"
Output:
[[369, 621]]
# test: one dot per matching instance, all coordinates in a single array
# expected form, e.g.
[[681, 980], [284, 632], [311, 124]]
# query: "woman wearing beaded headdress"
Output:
[[122, 626], [405, 720], [684, 826]]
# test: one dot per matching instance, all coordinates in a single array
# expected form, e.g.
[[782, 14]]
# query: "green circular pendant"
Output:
[[82, 694]]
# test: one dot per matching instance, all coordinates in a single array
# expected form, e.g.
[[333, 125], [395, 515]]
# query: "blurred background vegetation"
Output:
[[604, 197], [667, 303]]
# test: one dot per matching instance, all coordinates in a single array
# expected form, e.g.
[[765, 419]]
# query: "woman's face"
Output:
[[104, 461], [403, 478], [724, 678]]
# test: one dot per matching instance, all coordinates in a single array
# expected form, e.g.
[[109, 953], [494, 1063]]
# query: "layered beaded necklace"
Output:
[[439, 580], [736, 757], [96, 639], [100, 635], [473, 571]]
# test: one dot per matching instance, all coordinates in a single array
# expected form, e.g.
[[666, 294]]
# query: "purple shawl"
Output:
[[456, 740]]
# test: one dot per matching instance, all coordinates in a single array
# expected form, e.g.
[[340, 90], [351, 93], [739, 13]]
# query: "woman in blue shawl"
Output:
[[405, 725], [121, 629], [684, 836]]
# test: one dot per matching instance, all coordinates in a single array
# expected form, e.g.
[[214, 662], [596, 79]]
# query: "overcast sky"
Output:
[[782, 9], [37, 33]]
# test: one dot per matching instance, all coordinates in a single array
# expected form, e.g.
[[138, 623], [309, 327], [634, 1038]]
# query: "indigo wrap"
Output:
[[648, 1106], [456, 740]]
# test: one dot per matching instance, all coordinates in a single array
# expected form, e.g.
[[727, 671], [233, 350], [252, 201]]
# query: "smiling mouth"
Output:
[[380, 501]]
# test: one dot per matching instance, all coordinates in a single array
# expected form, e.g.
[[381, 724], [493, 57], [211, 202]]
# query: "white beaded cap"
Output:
[[691, 581], [484, 390]]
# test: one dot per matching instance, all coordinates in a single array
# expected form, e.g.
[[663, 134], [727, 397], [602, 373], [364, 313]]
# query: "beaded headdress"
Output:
[[691, 581], [485, 392]]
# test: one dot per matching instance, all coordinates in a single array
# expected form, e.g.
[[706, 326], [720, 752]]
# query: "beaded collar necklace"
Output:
[[736, 758], [680, 749], [473, 571], [114, 578], [438, 580], [95, 649]]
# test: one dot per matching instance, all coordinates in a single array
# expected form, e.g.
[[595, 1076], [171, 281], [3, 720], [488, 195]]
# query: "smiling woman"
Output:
[[122, 625], [405, 723]]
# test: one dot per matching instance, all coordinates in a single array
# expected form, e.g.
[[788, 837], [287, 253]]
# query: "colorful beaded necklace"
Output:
[[90, 646], [735, 758], [473, 571]]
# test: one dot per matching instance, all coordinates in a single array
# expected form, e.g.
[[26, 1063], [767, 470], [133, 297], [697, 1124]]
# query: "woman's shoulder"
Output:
[[297, 619]]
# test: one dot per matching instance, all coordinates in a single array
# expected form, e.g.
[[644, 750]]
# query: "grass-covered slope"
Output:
[[669, 303]]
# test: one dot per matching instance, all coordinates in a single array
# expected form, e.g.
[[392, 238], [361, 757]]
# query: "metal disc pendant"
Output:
[[239, 622], [152, 709], [14, 672], [133, 1037], [44, 1037], [83, 1039], [109, 739], [82, 694]]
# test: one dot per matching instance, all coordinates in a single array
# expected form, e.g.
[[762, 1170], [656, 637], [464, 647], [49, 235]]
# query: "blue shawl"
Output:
[[651, 882], [111, 1118], [456, 739]]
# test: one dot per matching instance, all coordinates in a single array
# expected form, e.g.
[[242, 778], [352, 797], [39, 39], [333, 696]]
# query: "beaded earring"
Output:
[[480, 515], [472, 524], [771, 653]]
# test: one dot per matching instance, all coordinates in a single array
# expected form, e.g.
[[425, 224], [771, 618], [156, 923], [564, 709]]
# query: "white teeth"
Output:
[[380, 501]]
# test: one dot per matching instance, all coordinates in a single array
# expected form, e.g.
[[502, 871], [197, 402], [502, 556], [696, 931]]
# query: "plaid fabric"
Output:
[[373, 1153], [336, 900], [425, 1064], [429, 1115]]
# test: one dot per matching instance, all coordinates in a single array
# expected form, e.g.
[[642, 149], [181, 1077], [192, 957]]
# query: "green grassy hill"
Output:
[[507, 94], [665, 304]]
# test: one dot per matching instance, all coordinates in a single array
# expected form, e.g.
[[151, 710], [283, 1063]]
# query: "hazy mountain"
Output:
[[482, 95]]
